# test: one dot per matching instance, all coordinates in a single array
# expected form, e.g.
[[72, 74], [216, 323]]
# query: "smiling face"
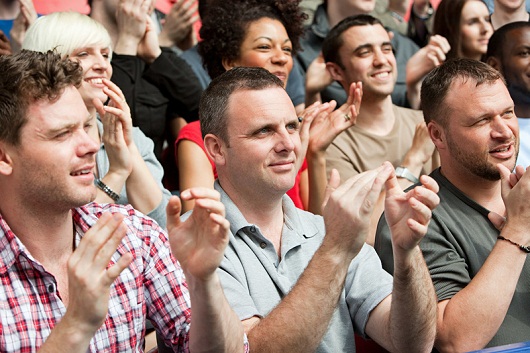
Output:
[[95, 61], [264, 143], [515, 63], [267, 45], [475, 29], [367, 56], [54, 161], [481, 131]]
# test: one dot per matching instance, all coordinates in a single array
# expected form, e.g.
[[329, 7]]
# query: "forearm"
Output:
[[413, 310], [295, 325], [214, 325], [470, 319], [414, 160], [316, 166], [143, 191]]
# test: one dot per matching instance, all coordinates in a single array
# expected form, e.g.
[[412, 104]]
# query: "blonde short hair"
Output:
[[65, 32]]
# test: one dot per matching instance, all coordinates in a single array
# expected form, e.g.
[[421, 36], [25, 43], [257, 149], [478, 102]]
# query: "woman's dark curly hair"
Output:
[[225, 25]]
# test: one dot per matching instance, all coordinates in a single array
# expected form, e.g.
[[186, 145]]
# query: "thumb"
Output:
[[497, 220], [333, 183], [505, 180], [173, 209]]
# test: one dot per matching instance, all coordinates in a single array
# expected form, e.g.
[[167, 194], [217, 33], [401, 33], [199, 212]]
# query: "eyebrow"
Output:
[[370, 45], [56, 130]]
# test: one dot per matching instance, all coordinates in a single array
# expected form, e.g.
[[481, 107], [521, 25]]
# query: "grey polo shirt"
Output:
[[255, 279]]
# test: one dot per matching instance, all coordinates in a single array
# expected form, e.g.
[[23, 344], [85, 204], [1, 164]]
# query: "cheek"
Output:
[[252, 59]]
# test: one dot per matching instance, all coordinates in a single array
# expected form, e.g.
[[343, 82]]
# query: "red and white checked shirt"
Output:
[[152, 287]]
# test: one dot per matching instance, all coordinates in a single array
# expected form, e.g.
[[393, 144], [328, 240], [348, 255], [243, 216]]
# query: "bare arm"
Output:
[[195, 170], [199, 244], [294, 325], [89, 283], [322, 127], [406, 321], [470, 319]]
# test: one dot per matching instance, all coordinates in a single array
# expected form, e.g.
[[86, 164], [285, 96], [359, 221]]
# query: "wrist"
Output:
[[405, 173], [126, 45]]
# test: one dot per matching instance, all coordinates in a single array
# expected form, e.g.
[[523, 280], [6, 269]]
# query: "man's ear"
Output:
[[215, 148], [495, 63], [6, 163], [335, 71], [437, 135]]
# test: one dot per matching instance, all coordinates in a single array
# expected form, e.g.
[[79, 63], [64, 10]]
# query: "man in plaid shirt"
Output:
[[85, 278]]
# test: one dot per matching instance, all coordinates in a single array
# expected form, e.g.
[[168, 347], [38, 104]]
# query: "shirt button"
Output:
[[51, 288], [263, 245], [253, 229]]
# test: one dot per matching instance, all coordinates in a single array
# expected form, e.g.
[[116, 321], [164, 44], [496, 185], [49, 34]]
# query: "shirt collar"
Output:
[[291, 217], [11, 247]]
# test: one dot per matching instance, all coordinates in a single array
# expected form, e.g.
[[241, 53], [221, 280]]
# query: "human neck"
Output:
[[261, 209], [502, 16], [46, 233], [486, 193], [376, 116]]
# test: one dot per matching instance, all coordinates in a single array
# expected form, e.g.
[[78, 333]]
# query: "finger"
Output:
[[200, 192], [220, 220], [374, 193], [425, 196], [497, 220], [418, 229], [173, 210], [429, 183], [505, 180], [434, 59], [114, 271], [98, 236], [332, 185], [421, 212], [210, 206], [108, 246]]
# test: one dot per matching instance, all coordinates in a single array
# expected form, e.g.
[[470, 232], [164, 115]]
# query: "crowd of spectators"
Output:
[[375, 105]]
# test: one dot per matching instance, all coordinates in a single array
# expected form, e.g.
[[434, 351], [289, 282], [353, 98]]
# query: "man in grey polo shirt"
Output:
[[294, 289]]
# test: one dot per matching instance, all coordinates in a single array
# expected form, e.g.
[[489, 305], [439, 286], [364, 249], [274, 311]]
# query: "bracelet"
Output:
[[526, 249], [110, 193]]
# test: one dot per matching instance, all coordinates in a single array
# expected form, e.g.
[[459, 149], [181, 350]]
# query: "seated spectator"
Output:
[[508, 11], [359, 49], [300, 282], [466, 26], [509, 53], [263, 34], [471, 120], [327, 16], [157, 84], [83, 277], [126, 170]]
